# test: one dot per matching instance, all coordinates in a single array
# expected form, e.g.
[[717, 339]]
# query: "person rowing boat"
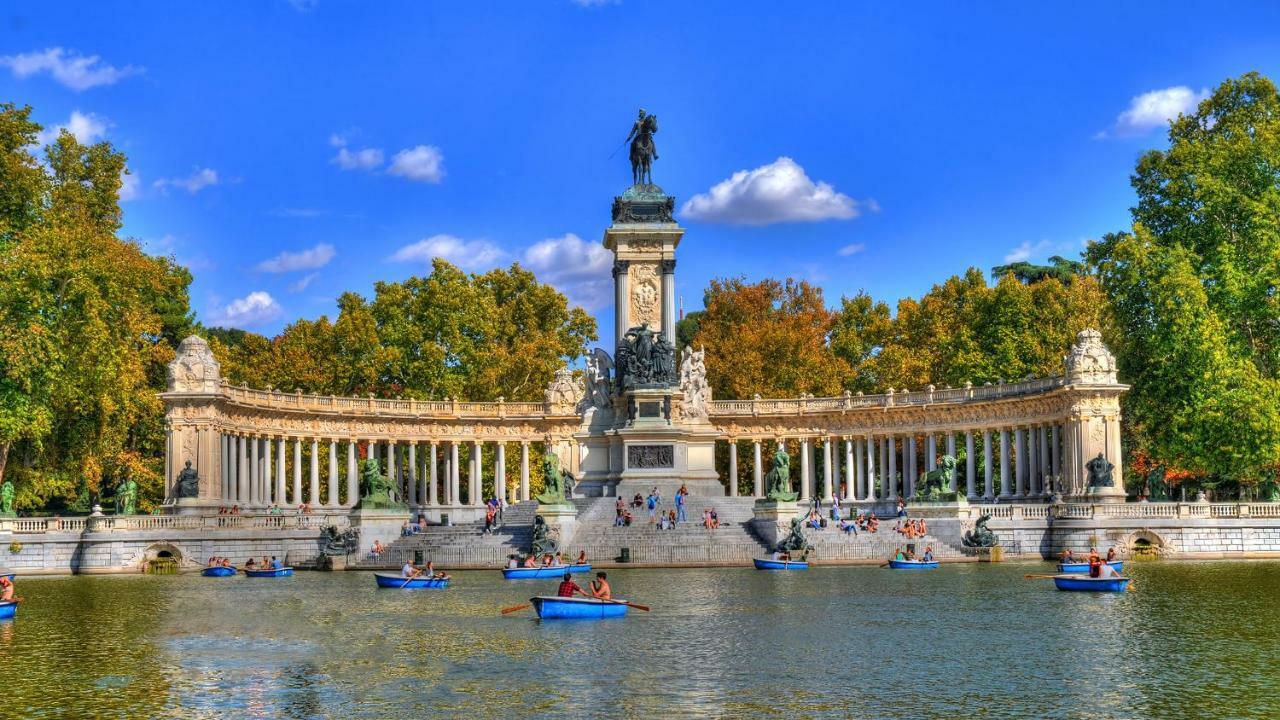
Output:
[[600, 589], [568, 588], [410, 570]]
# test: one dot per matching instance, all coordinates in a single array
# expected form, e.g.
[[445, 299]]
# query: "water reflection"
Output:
[[1194, 639]]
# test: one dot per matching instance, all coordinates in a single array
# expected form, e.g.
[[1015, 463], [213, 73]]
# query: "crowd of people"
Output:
[[911, 529], [909, 555], [1099, 567], [215, 561], [272, 564], [547, 560], [410, 571]]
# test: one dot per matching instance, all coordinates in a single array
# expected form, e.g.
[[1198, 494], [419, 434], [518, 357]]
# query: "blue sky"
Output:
[[290, 151]]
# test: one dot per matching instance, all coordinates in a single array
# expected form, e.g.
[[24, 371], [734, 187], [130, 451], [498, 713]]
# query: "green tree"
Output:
[[1194, 286]]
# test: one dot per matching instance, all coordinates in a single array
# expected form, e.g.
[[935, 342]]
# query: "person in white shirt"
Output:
[[409, 570]]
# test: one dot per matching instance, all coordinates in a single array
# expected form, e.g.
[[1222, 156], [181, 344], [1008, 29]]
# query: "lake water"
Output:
[[1194, 640]]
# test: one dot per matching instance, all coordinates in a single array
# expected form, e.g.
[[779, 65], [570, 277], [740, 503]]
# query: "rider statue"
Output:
[[643, 151]]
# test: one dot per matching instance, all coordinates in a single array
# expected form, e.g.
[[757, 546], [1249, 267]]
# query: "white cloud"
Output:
[[595, 3], [256, 308], [1155, 109], [579, 269], [424, 163], [1023, 252], [77, 72], [304, 282], [86, 127], [468, 254], [852, 249], [1044, 249], [130, 186], [197, 181], [774, 193], [362, 159], [309, 259], [368, 158]]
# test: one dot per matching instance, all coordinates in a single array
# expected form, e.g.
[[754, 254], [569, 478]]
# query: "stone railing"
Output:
[[1121, 511], [276, 400], [850, 401], [107, 523]]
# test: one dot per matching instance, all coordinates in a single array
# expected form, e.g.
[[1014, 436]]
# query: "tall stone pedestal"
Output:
[[561, 521], [772, 521]]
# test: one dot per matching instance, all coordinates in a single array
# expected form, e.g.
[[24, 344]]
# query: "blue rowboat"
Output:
[[278, 572], [762, 564], [544, 573], [562, 608], [389, 580], [913, 564], [1085, 583], [218, 571], [8, 610], [1083, 567]]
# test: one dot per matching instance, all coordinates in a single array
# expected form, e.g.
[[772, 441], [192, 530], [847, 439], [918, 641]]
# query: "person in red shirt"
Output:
[[568, 587]]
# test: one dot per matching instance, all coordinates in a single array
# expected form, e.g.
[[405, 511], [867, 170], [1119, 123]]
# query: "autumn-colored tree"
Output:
[[86, 322], [770, 338]]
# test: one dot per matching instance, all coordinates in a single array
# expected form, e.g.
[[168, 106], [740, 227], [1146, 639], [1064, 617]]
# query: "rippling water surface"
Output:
[[1194, 640]]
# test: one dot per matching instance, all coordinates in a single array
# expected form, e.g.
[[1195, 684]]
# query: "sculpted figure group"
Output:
[[646, 358]]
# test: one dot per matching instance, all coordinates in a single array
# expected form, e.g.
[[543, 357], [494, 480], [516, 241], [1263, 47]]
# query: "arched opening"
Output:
[[162, 559], [1145, 545]]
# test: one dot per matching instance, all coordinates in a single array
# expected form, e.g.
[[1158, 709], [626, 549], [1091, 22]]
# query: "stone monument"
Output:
[[640, 427], [193, 458], [1093, 430]]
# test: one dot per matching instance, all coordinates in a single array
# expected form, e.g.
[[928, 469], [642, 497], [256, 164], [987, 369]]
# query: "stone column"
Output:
[[828, 488], [476, 482], [910, 477], [455, 481], [951, 445], [621, 298], [884, 467], [255, 473], [1054, 445], [1045, 468], [1034, 482], [891, 481], [871, 469], [524, 470], [1020, 463], [733, 468], [500, 472], [1005, 490], [268, 472], [757, 477], [353, 475], [413, 474], [297, 472], [931, 453], [225, 486], [333, 473], [669, 300], [393, 476], [281, 497], [433, 478], [314, 495], [852, 476], [970, 467], [804, 469], [988, 467]]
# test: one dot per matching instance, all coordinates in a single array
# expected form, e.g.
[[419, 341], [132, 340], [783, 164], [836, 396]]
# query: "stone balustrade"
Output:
[[108, 523]]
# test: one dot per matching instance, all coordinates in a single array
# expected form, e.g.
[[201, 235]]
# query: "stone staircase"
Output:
[[833, 545], [689, 543], [459, 546]]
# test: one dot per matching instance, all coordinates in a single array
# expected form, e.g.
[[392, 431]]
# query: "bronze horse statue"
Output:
[[643, 149]]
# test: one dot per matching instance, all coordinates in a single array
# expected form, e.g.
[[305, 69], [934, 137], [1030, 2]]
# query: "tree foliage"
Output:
[[448, 334], [87, 324], [1194, 286]]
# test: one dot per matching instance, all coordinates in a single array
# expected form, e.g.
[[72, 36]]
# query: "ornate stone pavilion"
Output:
[[638, 418]]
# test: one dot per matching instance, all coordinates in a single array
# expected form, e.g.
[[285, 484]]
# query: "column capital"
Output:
[[668, 266], [620, 267]]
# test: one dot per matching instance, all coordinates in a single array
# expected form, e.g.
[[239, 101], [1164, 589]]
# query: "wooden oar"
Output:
[[1035, 576], [409, 579], [513, 608], [628, 604]]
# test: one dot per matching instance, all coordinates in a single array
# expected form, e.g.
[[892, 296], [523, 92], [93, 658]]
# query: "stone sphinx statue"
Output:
[[980, 536], [778, 481], [188, 482], [937, 483]]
